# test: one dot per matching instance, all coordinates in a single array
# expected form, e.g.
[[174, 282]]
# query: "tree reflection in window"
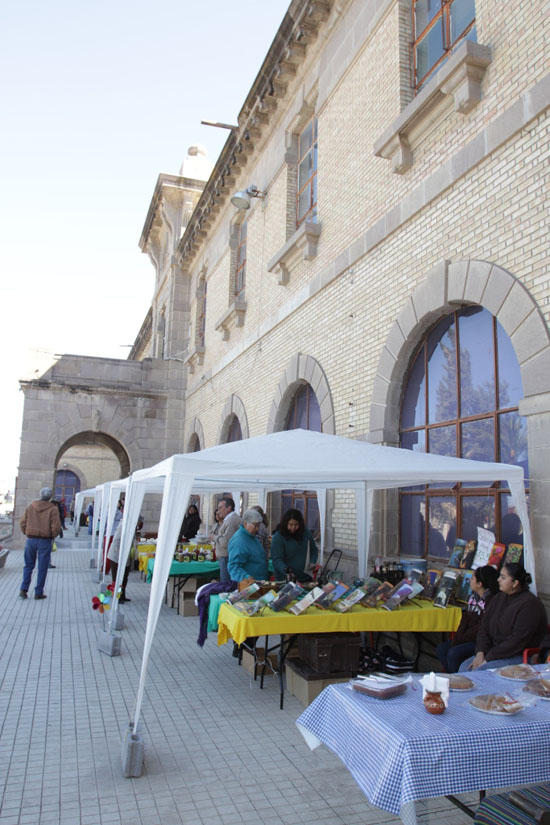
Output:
[[461, 399]]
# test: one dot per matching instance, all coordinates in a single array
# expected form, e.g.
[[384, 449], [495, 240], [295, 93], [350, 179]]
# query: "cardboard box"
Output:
[[305, 684], [194, 582], [187, 605], [247, 662]]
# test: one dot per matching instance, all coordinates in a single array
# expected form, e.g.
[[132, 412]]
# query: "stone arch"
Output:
[[301, 369], [447, 286], [195, 430], [92, 437], [233, 407]]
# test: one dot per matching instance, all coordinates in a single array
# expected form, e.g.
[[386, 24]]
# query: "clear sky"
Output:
[[97, 98]]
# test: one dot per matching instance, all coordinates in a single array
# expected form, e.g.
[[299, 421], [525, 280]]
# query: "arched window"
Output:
[[304, 414], [235, 432], [461, 399], [194, 444]]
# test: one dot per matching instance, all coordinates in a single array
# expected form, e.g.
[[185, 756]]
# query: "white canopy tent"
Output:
[[78, 503], [293, 459]]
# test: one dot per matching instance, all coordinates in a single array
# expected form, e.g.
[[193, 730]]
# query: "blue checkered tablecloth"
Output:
[[397, 752]]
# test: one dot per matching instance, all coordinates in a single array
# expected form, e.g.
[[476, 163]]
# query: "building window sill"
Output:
[[457, 83], [301, 246], [194, 358], [233, 317]]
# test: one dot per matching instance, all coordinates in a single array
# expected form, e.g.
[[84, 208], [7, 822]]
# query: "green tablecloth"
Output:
[[187, 568]]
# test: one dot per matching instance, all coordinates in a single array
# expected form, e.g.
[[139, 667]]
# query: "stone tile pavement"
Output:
[[217, 748]]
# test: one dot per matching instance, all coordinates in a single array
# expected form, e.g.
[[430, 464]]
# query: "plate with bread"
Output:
[[496, 703]]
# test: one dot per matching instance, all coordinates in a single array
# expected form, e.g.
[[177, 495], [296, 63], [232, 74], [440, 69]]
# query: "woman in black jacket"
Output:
[[190, 524], [514, 620]]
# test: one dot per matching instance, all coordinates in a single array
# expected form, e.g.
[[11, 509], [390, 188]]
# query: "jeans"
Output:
[[224, 574], [494, 663], [33, 548], [451, 655]]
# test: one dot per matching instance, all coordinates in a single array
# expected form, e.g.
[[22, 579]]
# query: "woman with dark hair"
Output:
[[190, 524], [293, 547], [514, 620], [484, 585]]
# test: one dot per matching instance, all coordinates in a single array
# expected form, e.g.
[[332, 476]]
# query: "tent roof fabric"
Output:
[[301, 458]]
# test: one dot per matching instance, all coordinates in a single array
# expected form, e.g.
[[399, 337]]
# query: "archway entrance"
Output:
[[92, 458]]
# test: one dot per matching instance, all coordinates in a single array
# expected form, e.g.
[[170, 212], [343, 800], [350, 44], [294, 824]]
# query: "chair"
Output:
[[498, 810]]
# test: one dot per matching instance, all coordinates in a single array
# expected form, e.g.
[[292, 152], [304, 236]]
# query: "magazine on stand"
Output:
[[469, 554], [485, 542], [245, 593], [458, 552], [497, 555], [399, 594], [352, 598], [445, 588], [306, 601], [513, 554], [289, 593], [379, 595]]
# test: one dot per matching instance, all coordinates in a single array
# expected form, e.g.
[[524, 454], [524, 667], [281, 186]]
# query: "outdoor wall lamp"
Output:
[[242, 199]]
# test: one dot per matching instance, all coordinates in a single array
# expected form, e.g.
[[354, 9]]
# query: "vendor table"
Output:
[[423, 617], [145, 552], [398, 753], [181, 571]]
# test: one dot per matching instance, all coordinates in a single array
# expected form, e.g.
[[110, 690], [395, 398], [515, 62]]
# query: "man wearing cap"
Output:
[[40, 524]]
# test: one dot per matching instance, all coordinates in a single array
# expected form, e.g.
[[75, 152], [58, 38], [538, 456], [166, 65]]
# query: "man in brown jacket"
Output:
[[40, 524]]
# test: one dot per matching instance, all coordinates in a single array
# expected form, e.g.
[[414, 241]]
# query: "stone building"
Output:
[[382, 273]]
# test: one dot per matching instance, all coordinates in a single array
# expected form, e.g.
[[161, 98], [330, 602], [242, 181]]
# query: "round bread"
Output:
[[459, 682], [519, 672]]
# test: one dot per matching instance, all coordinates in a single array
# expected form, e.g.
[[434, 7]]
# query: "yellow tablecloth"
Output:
[[145, 552], [411, 618]]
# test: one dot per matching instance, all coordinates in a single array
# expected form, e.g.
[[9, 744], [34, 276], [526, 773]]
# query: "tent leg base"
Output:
[[93, 564], [108, 644], [118, 622], [132, 753]]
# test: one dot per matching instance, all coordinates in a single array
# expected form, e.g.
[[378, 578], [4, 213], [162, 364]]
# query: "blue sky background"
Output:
[[98, 98]]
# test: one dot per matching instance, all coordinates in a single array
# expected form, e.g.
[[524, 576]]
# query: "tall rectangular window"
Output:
[[438, 25], [240, 273], [202, 315], [306, 196]]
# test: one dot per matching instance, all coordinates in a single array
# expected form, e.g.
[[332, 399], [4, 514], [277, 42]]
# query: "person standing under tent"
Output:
[[229, 525], [247, 561], [90, 514]]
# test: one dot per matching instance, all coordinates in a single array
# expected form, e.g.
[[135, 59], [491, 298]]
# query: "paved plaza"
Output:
[[217, 748]]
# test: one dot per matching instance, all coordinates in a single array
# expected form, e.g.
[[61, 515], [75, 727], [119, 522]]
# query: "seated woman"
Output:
[[484, 585], [247, 560], [514, 620], [293, 548], [190, 524]]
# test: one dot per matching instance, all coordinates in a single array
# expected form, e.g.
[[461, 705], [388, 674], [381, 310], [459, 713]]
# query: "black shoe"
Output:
[[40, 596], [51, 566], [22, 594], [123, 600]]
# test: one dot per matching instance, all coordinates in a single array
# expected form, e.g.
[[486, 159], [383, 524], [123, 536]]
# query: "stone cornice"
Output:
[[288, 50], [103, 387], [164, 184], [143, 337]]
